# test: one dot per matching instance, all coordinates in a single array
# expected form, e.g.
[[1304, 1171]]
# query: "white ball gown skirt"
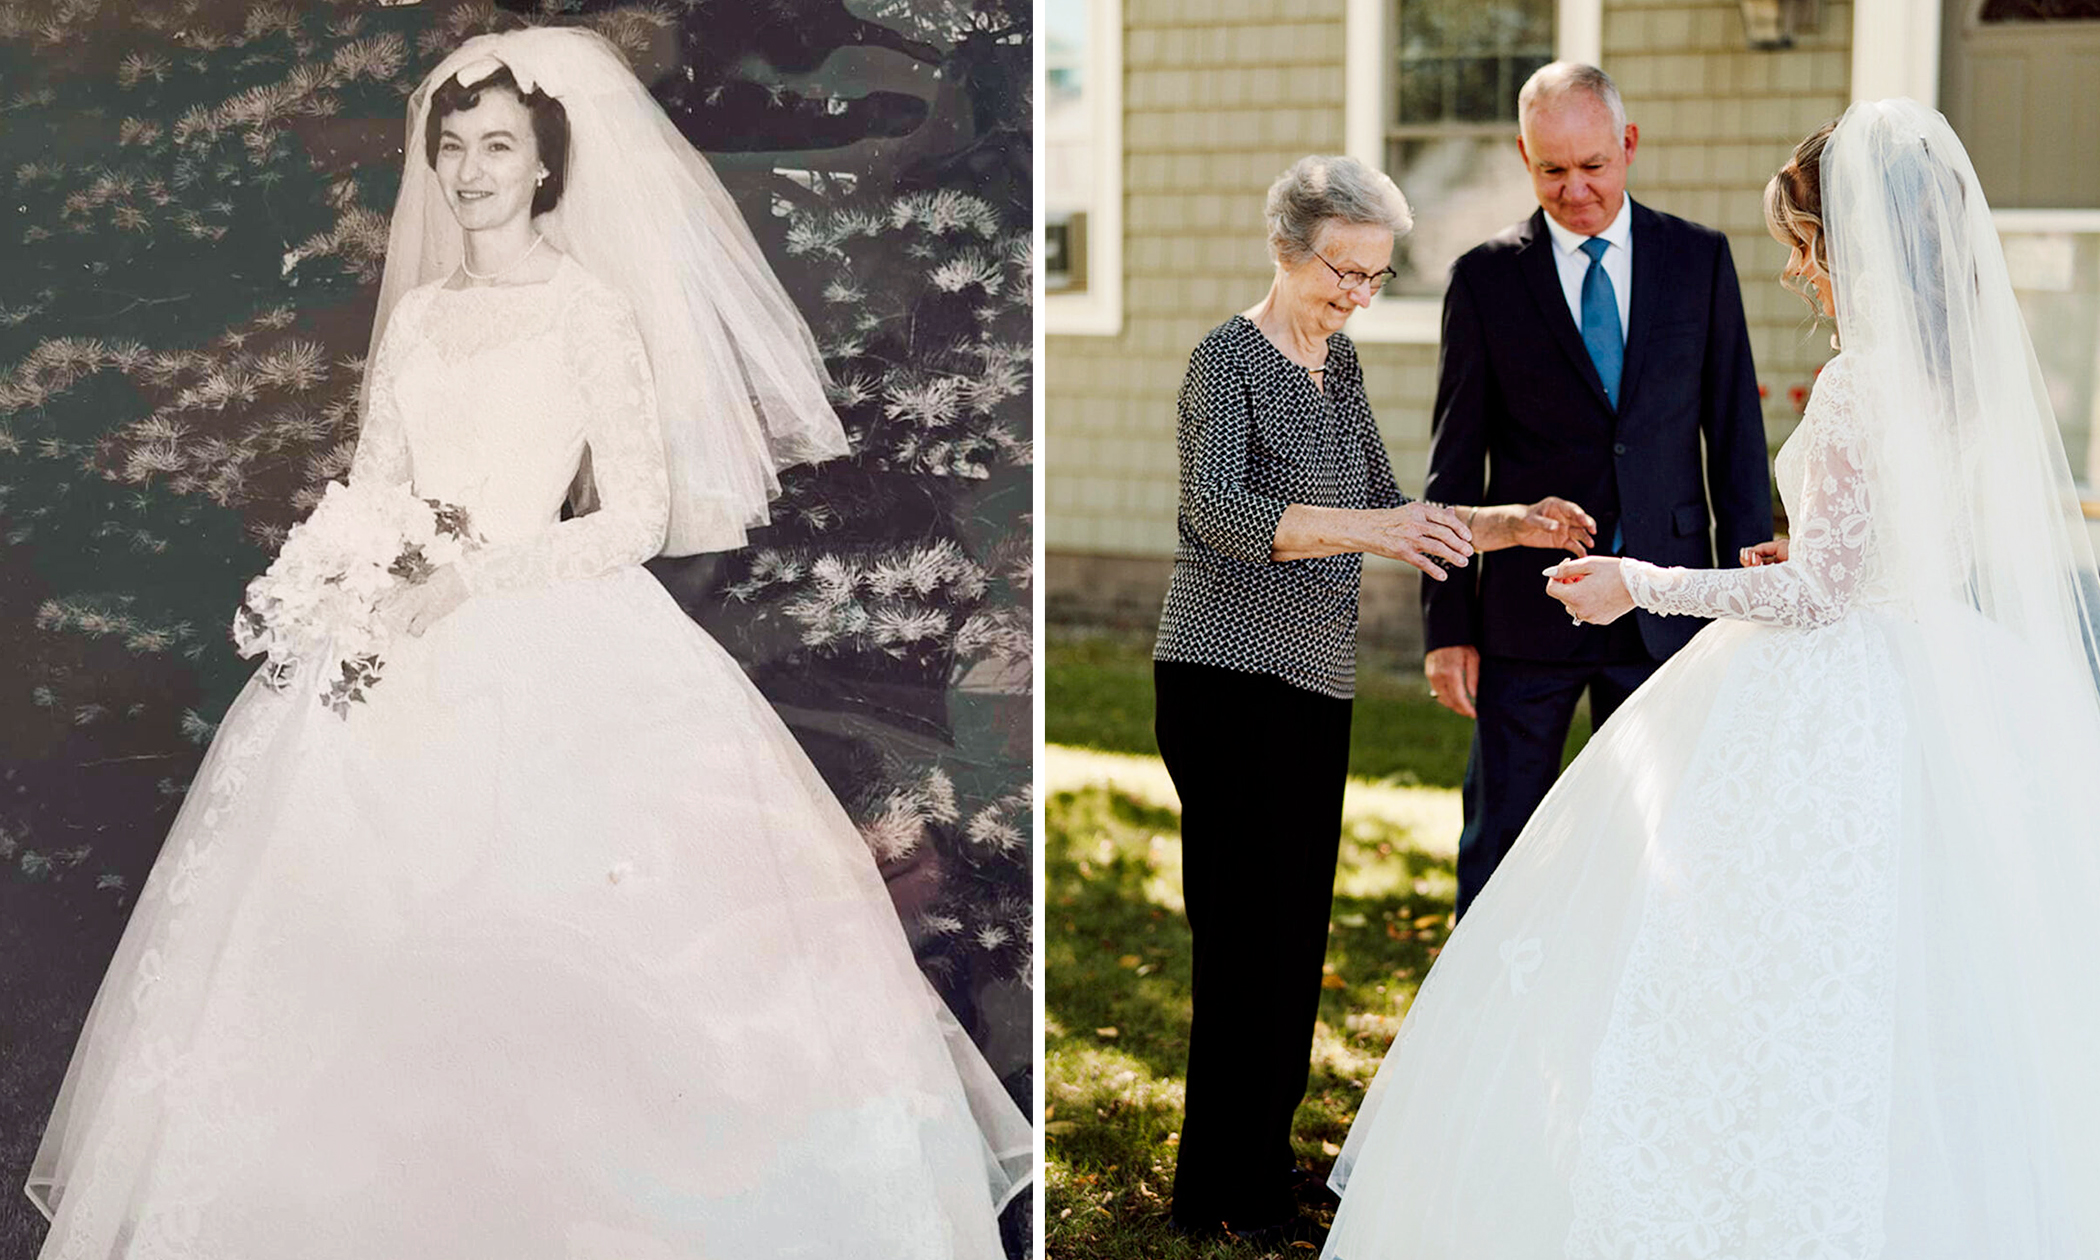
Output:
[[1790, 964], [558, 947]]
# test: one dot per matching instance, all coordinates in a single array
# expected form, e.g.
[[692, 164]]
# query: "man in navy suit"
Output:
[[1589, 352]]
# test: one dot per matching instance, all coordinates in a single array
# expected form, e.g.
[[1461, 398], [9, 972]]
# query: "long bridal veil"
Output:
[[1983, 537]]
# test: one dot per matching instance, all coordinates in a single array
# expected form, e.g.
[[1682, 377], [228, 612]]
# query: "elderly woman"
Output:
[[1284, 485]]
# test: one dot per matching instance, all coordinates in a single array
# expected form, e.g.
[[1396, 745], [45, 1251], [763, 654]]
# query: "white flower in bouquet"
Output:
[[318, 603]]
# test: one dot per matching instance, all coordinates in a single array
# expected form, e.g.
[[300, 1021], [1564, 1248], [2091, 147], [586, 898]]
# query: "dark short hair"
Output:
[[550, 128]]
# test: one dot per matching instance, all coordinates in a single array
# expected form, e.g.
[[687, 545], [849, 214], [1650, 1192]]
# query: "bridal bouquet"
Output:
[[318, 603]]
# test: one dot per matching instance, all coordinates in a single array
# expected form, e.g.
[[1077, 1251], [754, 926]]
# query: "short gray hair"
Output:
[[1318, 189], [1558, 78]]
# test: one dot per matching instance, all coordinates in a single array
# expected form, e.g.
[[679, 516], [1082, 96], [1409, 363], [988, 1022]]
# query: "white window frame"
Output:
[[1578, 35], [1097, 310], [1896, 50]]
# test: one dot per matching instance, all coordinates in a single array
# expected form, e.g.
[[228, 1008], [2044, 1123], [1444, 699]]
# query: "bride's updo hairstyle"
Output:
[[1794, 209], [550, 128]]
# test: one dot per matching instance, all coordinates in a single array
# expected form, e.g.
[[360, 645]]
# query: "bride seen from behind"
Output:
[[1788, 962], [555, 944]]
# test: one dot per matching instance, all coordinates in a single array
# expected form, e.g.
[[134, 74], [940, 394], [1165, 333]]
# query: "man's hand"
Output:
[[1454, 677], [411, 610], [1593, 589], [1773, 552], [1554, 523]]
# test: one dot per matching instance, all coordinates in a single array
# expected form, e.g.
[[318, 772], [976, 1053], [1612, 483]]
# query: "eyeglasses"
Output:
[[1356, 279]]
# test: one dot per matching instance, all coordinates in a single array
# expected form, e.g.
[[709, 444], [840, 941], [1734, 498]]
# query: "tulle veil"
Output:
[[740, 385]]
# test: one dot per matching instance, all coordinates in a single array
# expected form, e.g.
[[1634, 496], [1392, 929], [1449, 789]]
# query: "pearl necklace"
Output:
[[507, 268]]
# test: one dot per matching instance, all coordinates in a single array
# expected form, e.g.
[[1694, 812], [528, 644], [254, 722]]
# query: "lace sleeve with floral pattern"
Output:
[[1827, 549], [382, 441]]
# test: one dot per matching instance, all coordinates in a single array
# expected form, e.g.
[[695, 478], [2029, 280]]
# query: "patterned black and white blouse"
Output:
[[1257, 435]]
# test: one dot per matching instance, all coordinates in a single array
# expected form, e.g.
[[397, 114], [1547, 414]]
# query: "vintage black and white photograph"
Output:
[[516, 629]]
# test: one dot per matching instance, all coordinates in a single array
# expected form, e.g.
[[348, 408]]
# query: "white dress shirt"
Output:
[[1618, 263]]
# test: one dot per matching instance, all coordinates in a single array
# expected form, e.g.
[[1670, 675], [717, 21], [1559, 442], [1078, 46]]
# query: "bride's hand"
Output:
[[1773, 552], [1593, 589], [411, 610]]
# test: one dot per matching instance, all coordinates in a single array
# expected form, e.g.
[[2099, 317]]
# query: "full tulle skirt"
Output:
[[558, 947], [1791, 963]]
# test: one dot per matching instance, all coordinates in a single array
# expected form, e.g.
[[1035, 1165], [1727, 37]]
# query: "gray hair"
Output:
[[1557, 79], [1319, 189]]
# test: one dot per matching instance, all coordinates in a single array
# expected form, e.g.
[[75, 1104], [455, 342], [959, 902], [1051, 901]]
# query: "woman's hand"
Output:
[[1425, 535], [1428, 536], [411, 610], [1552, 523], [1773, 552], [1593, 589]]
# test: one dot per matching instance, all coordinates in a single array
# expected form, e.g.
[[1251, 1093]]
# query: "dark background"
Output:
[[194, 222]]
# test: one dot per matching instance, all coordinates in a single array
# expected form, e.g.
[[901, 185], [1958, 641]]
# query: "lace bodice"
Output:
[[490, 397], [1831, 564]]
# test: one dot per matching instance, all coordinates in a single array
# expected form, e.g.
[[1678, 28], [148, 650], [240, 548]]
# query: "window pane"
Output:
[[1451, 141], [1463, 60], [1068, 144], [2040, 11], [1424, 85], [1464, 189]]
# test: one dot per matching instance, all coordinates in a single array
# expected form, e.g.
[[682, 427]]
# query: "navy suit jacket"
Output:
[[1521, 414]]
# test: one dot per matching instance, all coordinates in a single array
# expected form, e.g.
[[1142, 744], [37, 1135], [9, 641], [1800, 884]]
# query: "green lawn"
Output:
[[1118, 1011], [1117, 945]]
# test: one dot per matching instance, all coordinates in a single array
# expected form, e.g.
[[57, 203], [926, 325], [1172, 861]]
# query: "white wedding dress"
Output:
[[558, 947], [1791, 964]]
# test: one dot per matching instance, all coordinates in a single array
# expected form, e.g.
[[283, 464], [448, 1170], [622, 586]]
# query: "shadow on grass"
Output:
[[1118, 1012]]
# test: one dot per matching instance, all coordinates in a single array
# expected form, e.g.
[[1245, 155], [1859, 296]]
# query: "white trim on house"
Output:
[[1578, 35], [2041, 222], [1896, 50], [1098, 311]]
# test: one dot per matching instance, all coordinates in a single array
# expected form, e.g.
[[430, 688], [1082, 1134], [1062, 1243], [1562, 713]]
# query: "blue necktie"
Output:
[[1600, 319], [1601, 335]]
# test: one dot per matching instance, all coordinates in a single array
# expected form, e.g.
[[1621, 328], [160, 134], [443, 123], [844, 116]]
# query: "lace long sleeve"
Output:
[[382, 443], [1827, 550], [626, 458]]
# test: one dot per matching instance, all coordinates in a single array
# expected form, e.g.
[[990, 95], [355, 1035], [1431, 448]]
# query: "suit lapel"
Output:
[[1535, 260], [1649, 264]]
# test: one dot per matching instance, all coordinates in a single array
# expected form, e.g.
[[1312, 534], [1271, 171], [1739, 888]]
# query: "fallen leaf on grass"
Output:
[[1108, 1032], [1128, 960], [1332, 981], [1329, 1149]]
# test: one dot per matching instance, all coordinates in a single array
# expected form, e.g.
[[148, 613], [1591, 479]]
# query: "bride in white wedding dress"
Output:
[[1792, 963], [557, 946]]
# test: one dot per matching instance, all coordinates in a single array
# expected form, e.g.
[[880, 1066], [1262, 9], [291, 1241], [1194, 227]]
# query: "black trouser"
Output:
[[1525, 710], [1260, 766]]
